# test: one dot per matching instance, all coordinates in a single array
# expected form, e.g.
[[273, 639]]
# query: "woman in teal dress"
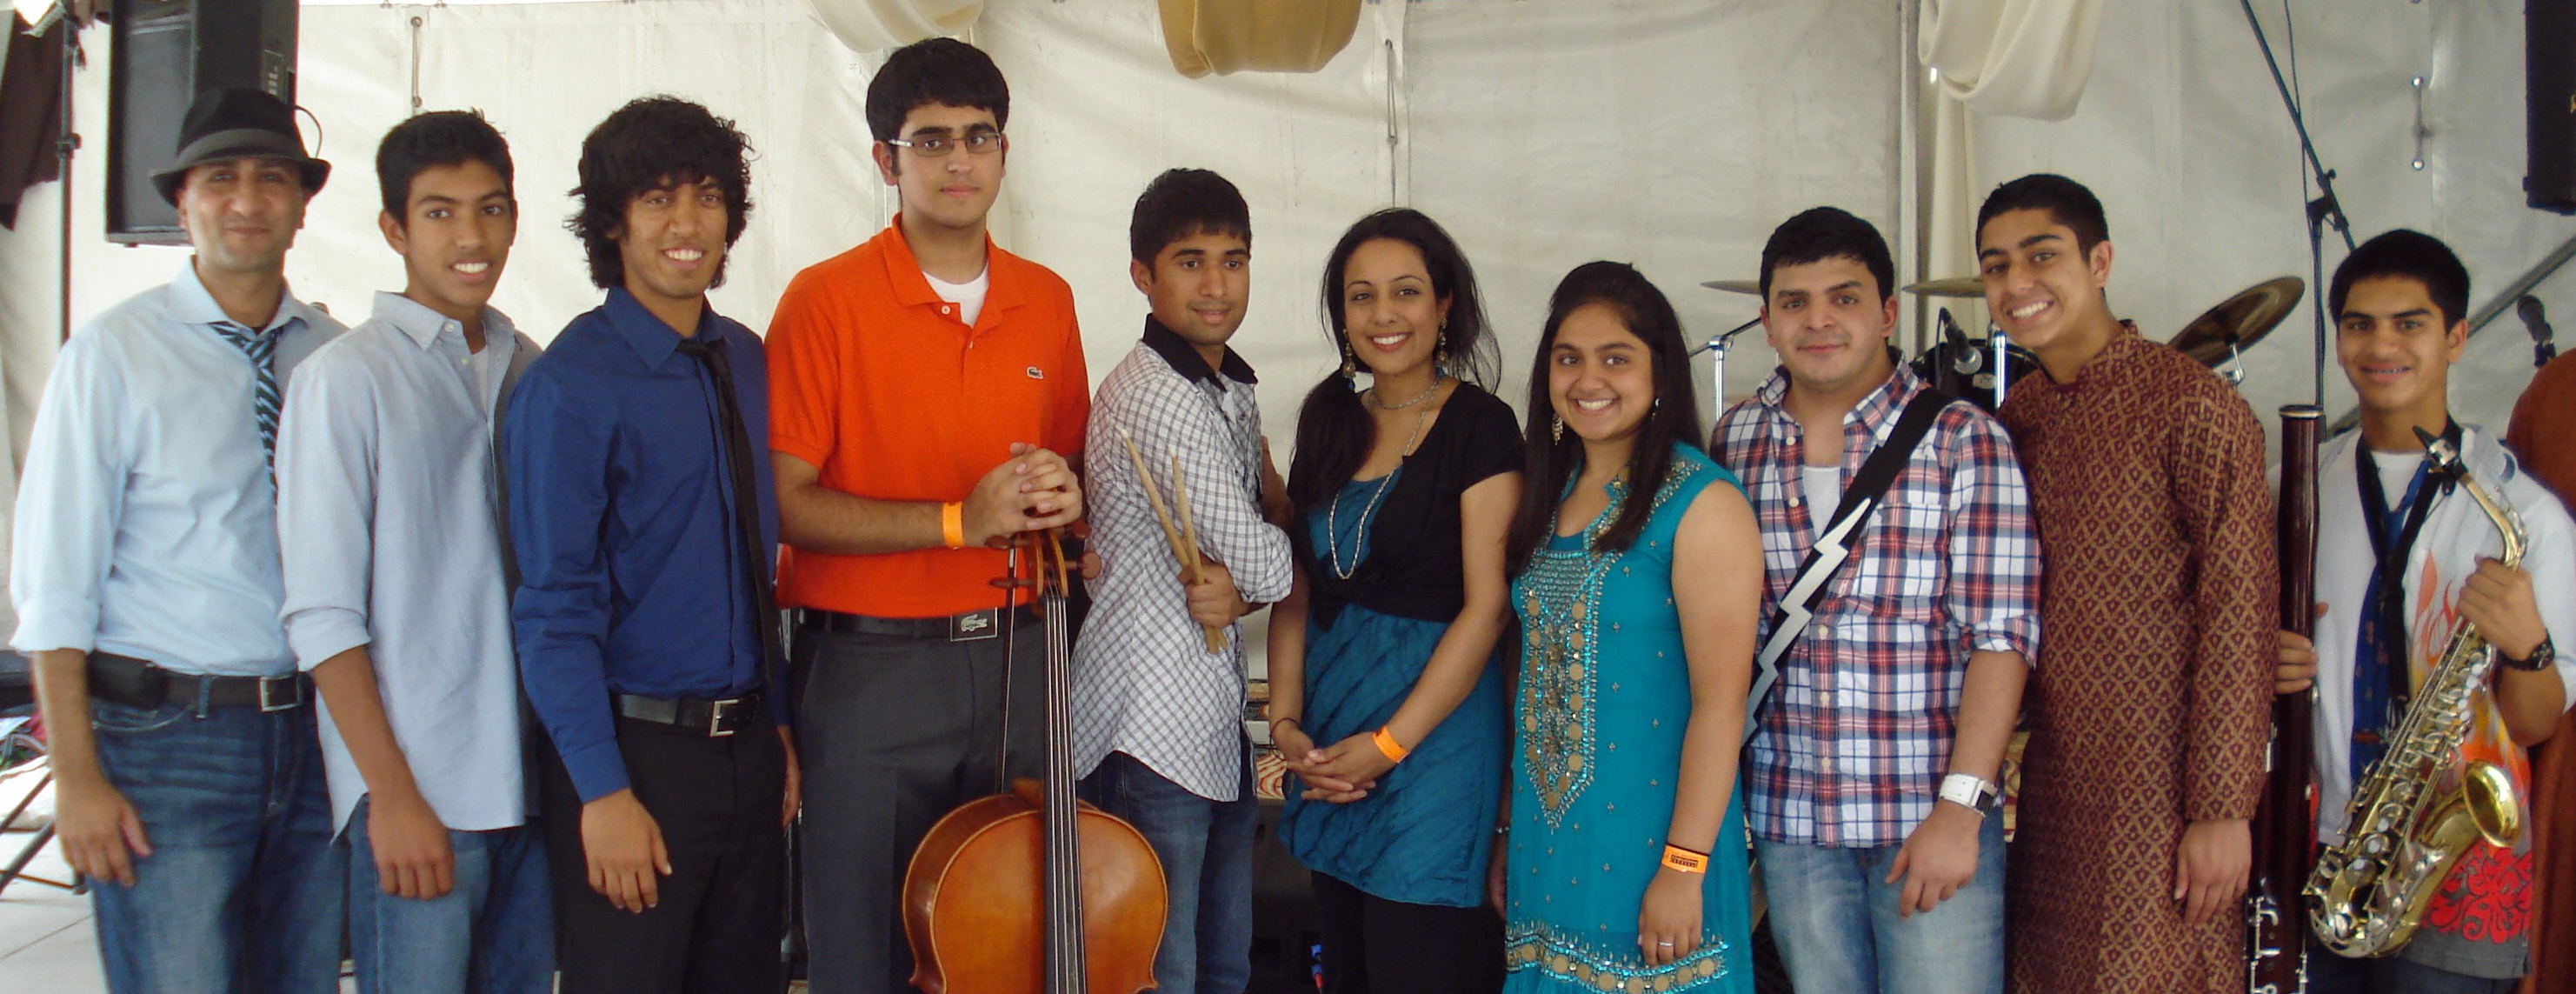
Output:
[[1386, 697], [1637, 576]]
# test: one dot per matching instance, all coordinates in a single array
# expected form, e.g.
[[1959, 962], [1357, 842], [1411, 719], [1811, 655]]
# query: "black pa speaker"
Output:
[[164, 52], [2549, 62]]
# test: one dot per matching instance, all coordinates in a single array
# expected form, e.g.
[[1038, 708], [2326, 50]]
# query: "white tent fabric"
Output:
[[869, 25], [1544, 133], [2184, 137], [2025, 58]]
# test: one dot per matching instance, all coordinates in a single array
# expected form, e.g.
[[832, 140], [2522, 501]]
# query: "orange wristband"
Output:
[[1685, 860], [952, 524], [1388, 747]]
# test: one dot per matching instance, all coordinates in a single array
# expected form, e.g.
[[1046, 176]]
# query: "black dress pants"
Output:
[[1376, 946], [722, 913]]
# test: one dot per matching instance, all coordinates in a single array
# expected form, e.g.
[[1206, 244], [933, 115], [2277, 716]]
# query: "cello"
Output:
[[1030, 891]]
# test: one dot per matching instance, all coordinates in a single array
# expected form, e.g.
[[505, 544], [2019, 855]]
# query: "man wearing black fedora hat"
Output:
[[148, 585]]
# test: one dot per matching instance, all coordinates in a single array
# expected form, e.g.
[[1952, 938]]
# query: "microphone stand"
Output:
[[2323, 211]]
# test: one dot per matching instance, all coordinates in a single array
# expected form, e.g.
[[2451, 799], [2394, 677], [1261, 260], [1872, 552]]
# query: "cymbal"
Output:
[[1749, 288], [2240, 320], [1957, 286]]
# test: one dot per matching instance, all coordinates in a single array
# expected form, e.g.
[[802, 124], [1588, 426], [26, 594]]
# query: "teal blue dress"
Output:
[[1604, 698], [1424, 835]]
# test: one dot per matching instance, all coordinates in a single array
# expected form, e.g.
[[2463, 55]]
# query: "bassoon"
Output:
[[2276, 933]]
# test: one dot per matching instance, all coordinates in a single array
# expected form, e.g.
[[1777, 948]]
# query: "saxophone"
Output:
[[2410, 818]]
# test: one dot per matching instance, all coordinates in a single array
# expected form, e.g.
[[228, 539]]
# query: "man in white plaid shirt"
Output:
[[1157, 715]]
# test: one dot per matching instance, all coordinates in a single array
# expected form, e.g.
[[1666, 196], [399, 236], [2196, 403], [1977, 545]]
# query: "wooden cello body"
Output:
[[974, 900], [1030, 891]]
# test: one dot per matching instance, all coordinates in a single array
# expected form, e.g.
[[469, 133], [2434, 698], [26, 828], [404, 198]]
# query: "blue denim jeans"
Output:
[[1834, 917], [243, 891], [493, 934], [1206, 850]]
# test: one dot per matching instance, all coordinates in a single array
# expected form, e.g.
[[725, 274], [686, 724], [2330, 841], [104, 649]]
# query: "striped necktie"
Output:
[[262, 350]]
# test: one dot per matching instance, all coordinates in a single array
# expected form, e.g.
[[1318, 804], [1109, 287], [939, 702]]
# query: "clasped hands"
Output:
[[1340, 773], [1032, 491]]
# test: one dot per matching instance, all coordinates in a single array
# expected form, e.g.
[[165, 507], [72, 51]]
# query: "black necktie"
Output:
[[746, 506]]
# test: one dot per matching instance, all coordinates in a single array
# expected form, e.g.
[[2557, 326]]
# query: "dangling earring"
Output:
[[1656, 406], [1350, 367], [1556, 432], [1440, 351]]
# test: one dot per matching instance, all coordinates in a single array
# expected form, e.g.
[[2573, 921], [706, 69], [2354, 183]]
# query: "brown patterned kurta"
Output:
[[2151, 700]]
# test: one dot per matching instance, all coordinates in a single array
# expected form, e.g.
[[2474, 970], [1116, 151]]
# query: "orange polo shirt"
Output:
[[877, 381]]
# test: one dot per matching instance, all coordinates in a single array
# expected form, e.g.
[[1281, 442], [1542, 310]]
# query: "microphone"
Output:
[[2535, 318], [1965, 359]]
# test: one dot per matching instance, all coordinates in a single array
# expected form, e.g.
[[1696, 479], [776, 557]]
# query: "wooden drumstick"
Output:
[[1181, 552]]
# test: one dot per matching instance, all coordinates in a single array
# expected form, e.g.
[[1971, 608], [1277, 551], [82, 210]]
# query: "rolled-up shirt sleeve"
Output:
[[326, 487], [1994, 546], [556, 450], [69, 501]]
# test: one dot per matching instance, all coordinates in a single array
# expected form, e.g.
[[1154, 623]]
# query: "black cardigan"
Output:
[[1414, 569]]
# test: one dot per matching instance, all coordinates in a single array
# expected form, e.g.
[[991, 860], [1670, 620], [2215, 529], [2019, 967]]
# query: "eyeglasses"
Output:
[[938, 146]]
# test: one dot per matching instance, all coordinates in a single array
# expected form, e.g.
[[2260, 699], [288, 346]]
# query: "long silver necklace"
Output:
[[1332, 510]]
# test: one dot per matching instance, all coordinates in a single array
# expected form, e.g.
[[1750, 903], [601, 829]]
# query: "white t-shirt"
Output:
[[2396, 470], [968, 296], [1824, 493]]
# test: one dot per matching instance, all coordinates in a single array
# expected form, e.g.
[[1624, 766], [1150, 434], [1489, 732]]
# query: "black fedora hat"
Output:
[[238, 124]]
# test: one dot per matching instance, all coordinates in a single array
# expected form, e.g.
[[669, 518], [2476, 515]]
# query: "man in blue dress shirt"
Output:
[[396, 596], [145, 573], [645, 621]]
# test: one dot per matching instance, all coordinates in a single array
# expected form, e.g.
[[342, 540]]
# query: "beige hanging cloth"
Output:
[[1231, 36], [2020, 58]]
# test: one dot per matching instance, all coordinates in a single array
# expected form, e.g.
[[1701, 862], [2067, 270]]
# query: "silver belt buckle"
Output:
[[974, 626], [716, 717], [293, 701]]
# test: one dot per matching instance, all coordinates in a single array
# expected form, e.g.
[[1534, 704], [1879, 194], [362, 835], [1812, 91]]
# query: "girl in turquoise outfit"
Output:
[[1637, 578]]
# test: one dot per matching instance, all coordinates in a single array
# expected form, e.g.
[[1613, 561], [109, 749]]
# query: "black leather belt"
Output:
[[138, 683], [716, 718], [972, 626]]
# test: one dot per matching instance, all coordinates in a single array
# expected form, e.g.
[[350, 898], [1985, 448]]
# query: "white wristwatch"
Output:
[[1969, 791]]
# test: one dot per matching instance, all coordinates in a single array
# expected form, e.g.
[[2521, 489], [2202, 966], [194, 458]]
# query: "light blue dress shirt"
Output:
[[385, 465], [147, 524]]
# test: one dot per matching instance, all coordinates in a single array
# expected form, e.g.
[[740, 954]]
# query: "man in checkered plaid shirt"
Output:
[[1157, 715], [1872, 773]]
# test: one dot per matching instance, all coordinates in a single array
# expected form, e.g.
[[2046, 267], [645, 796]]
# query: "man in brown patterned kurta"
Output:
[[2151, 704]]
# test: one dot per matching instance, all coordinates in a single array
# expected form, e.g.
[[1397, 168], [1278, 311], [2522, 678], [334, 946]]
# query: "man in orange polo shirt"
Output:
[[928, 398]]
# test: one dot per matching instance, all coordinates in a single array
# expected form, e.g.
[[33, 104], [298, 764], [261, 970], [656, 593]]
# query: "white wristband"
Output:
[[1971, 792]]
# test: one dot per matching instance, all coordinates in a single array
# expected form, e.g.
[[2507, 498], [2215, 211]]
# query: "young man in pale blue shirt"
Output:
[[187, 776], [397, 592]]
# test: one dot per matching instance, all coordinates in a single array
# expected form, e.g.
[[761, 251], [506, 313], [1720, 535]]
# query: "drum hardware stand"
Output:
[[1716, 347], [2002, 343], [2233, 370]]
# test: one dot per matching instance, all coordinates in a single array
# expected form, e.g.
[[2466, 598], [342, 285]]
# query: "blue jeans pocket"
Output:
[[109, 716]]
